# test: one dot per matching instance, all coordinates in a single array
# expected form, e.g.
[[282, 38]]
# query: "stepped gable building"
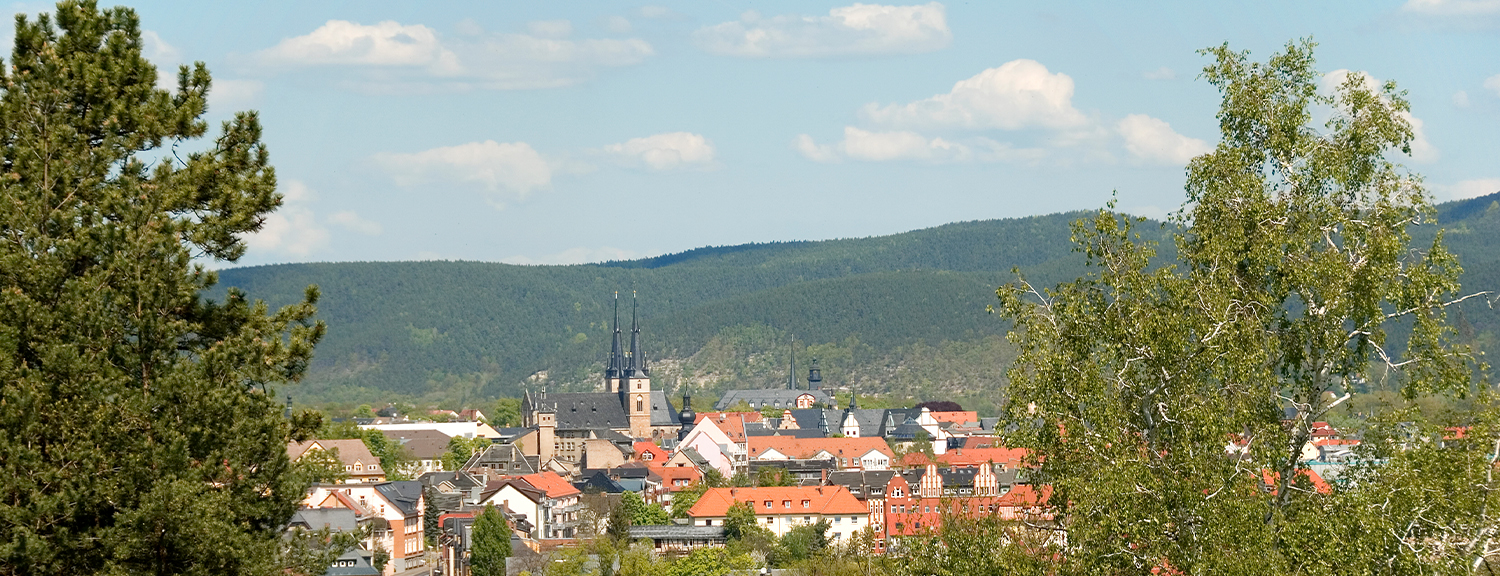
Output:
[[790, 398], [627, 407]]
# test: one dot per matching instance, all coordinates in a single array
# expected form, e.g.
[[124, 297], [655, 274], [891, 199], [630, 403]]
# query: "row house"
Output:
[[915, 502], [396, 512], [780, 509]]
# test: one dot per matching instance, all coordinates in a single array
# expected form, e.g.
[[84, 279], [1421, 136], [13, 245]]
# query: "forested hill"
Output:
[[903, 313]]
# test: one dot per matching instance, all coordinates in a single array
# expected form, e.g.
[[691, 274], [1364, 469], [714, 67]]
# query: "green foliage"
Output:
[[741, 519], [1295, 265], [139, 426], [618, 528], [983, 546], [801, 543], [431, 530], [506, 413], [461, 449], [311, 552], [709, 562], [491, 544], [774, 476], [643, 514], [321, 466]]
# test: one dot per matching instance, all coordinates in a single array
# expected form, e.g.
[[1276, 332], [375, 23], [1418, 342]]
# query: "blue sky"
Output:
[[541, 132]]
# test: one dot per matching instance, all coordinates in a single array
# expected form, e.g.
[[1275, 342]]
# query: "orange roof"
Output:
[[820, 500], [646, 447], [1025, 495], [1335, 442], [732, 424], [956, 417], [1272, 479], [670, 473], [975, 456], [550, 482], [801, 448]]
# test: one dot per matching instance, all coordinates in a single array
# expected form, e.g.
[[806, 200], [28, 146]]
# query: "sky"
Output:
[[562, 133]]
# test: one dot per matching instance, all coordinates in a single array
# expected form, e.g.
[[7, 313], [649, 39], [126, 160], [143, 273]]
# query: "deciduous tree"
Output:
[[1294, 264], [491, 544]]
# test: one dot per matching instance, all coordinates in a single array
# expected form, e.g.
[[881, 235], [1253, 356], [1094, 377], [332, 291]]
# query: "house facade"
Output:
[[780, 509]]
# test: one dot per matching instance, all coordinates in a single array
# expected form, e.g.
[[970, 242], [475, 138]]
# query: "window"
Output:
[[926, 510], [893, 508], [768, 504], [838, 519], [639, 404], [806, 504], [786, 504]]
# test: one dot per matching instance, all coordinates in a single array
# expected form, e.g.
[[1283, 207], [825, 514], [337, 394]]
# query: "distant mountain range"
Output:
[[900, 315]]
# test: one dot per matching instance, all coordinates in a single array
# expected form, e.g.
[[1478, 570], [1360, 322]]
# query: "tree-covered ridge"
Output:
[[903, 313]]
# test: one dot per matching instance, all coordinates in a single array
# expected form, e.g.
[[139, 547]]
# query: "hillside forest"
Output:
[[903, 317]]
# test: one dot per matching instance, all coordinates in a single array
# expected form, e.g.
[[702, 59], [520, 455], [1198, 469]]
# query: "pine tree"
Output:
[[430, 528], [139, 432], [491, 543]]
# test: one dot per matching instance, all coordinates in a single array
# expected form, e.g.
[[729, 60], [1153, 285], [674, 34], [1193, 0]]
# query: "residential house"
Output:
[[916, 500], [359, 464], [846, 453], [679, 539], [425, 447], [396, 508], [782, 508]]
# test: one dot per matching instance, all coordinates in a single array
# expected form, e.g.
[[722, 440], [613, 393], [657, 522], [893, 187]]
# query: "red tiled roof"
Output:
[[974, 456], [800, 448], [657, 454], [955, 417], [670, 473], [732, 424], [1272, 480], [350, 452], [821, 500], [553, 484]]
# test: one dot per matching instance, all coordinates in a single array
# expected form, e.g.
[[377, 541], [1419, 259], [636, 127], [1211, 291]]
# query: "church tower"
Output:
[[635, 381], [615, 366]]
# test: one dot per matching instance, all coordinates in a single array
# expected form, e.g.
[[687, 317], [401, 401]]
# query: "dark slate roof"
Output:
[[507, 435], [503, 458], [662, 413], [599, 481], [676, 532], [906, 431], [459, 480], [335, 519], [355, 562], [957, 477], [404, 494], [588, 411], [794, 433], [773, 397], [862, 483], [988, 424]]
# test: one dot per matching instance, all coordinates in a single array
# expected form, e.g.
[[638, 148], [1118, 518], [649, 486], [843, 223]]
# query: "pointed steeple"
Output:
[[637, 364], [791, 371], [616, 354], [853, 392]]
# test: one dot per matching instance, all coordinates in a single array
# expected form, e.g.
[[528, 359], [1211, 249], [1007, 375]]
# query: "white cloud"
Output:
[[387, 43], [291, 230], [1461, 99], [1018, 94], [227, 95], [393, 56], [814, 151], [354, 223], [666, 151], [1154, 140], [508, 170], [870, 146], [618, 24], [554, 29], [657, 12], [1422, 150], [1493, 84], [849, 30], [1163, 73], [1453, 7], [158, 51], [577, 256], [1466, 189]]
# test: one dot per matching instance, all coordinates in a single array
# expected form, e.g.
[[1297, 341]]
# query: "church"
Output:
[[628, 409]]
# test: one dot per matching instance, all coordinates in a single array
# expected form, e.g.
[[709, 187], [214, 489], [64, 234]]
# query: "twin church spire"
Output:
[[623, 363]]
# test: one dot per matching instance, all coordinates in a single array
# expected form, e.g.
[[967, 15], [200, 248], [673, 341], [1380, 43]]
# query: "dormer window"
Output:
[[807, 504], [786, 504], [768, 504]]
